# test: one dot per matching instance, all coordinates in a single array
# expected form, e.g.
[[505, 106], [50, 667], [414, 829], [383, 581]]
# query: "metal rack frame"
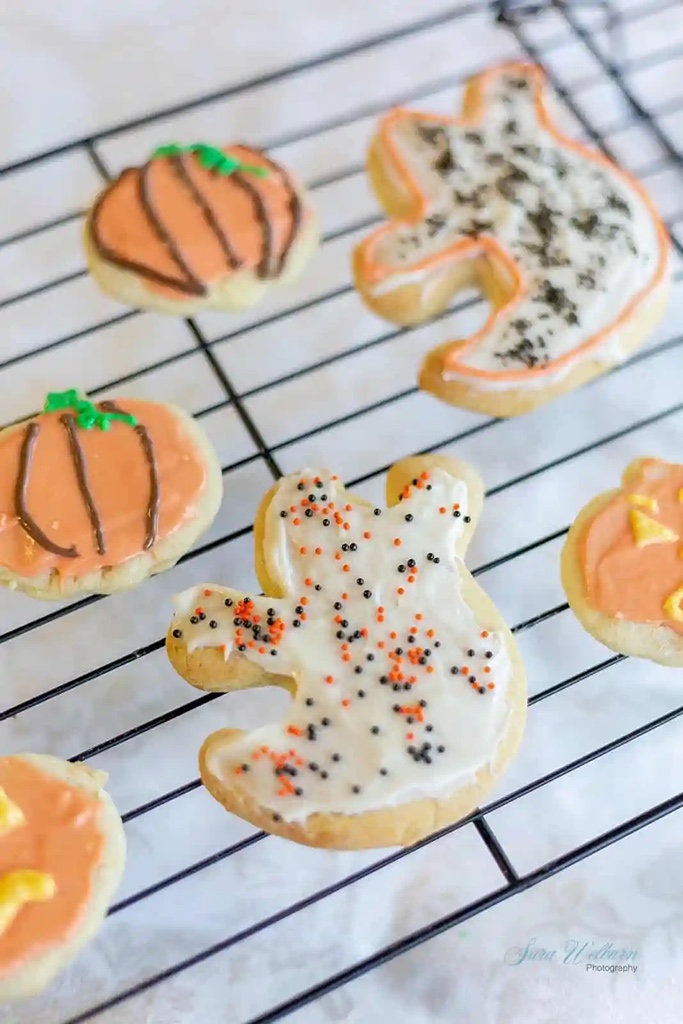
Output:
[[512, 883]]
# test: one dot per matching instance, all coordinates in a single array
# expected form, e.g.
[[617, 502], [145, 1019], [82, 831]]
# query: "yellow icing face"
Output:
[[11, 815], [649, 531], [20, 887]]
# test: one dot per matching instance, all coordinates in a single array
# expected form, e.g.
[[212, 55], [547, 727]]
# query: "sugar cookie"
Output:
[[198, 227], [566, 246], [622, 564], [408, 689], [96, 497], [62, 852]]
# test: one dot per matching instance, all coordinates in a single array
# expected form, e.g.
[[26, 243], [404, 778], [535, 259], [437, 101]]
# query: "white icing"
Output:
[[467, 724], [581, 235]]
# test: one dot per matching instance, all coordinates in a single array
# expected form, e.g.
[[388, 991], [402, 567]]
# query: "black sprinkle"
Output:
[[177, 633]]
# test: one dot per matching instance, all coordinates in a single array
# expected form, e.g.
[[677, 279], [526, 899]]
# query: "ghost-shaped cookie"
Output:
[[408, 693], [566, 245]]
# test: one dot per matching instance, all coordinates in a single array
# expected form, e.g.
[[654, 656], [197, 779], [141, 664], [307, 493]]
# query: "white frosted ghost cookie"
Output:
[[408, 692], [62, 853], [566, 245], [622, 564]]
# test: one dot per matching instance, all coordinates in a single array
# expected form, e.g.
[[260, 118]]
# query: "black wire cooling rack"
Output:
[[556, 43]]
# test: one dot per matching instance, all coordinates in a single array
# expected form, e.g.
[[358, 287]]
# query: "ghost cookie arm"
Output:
[[221, 639]]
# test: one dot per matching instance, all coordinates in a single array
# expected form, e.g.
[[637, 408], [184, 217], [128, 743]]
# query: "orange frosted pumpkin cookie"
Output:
[[95, 497], [622, 564], [62, 853], [198, 227], [566, 245]]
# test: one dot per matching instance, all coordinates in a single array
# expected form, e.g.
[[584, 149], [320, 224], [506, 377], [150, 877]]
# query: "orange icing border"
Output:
[[374, 271]]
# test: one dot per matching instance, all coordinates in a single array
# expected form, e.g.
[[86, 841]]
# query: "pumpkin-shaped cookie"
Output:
[[94, 498], [198, 227], [622, 564], [62, 852]]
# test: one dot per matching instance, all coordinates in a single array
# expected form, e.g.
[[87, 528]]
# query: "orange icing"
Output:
[[374, 271], [119, 481], [122, 231], [60, 838], [628, 574]]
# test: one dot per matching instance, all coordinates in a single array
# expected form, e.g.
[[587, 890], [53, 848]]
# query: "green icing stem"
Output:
[[211, 158], [87, 414]]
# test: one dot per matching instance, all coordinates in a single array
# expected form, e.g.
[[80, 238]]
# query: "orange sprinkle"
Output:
[[251, 643], [329, 679], [256, 756], [380, 645], [345, 597], [487, 669], [337, 618], [256, 618], [338, 556], [410, 735], [367, 536], [430, 633], [491, 686], [264, 750], [344, 647], [346, 657], [318, 551], [456, 507], [346, 568], [465, 670], [363, 631], [292, 508], [393, 635], [413, 629], [411, 579], [297, 522], [303, 600], [424, 475], [199, 611], [380, 618], [222, 648], [302, 551], [400, 590], [381, 610], [347, 526], [345, 703], [304, 501], [302, 616], [443, 510], [430, 668], [294, 730], [418, 616], [300, 760], [397, 542], [309, 583], [347, 508], [262, 650], [238, 771], [484, 633], [207, 593]]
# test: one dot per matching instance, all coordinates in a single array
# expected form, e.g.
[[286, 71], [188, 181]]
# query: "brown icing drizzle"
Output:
[[264, 268], [294, 203], [192, 284], [23, 515], [182, 226], [178, 165], [83, 483], [152, 513]]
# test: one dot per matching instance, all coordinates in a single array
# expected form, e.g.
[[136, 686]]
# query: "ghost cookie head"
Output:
[[408, 692], [567, 246]]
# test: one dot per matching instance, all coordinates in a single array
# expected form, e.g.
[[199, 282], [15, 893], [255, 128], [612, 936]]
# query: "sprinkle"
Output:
[[367, 535], [294, 730], [297, 522], [397, 542], [302, 551], [318, 551]]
